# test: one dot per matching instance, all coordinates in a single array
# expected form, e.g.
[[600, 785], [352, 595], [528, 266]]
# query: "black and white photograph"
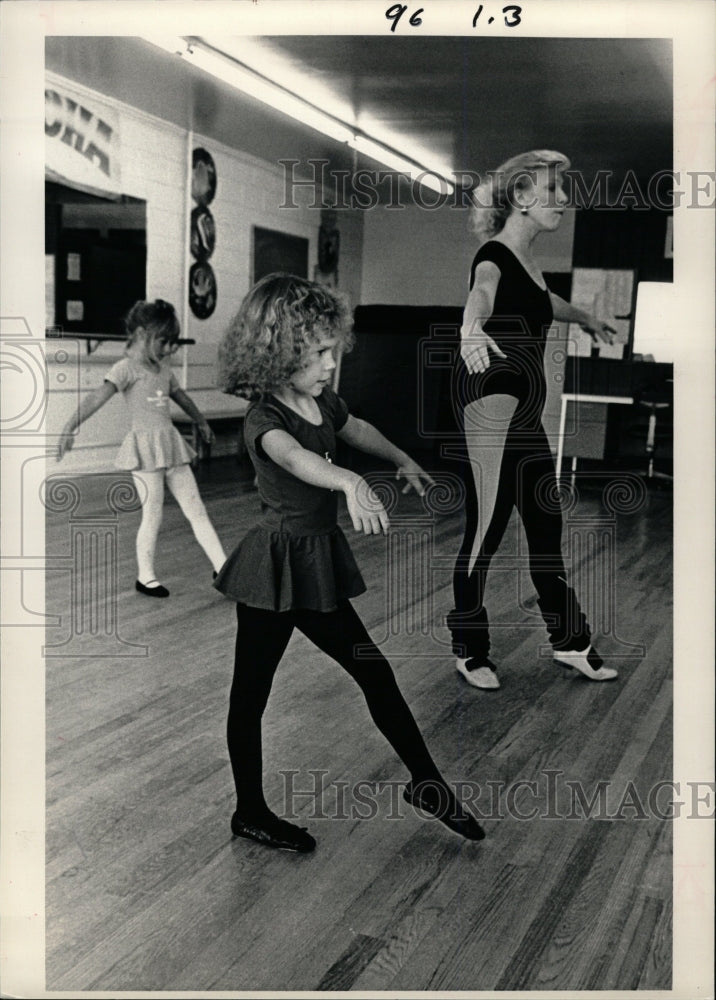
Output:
[[357, 533]]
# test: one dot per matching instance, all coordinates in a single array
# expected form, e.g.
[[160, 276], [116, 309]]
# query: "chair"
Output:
[[655, 396]]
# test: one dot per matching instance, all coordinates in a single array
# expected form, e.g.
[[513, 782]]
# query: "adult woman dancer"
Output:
[[499, 390]]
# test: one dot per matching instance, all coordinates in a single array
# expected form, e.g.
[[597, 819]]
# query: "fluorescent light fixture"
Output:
[[264, 57], [250, 81], [396, 162], [252, 84], [174, 46]]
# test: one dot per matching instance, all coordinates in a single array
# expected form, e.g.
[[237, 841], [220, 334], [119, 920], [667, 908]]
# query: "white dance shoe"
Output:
[[483, 677], [587, 662]]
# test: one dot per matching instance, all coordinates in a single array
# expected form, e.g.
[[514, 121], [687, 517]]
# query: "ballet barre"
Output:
[[93, 340]]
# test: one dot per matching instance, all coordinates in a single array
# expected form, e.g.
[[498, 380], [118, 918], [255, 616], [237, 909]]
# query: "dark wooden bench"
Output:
[[217, 409]]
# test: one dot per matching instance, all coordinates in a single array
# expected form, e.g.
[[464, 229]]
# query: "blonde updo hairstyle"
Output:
[[494, 199]]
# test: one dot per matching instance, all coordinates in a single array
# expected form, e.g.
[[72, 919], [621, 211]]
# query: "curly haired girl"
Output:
[[294, 569]]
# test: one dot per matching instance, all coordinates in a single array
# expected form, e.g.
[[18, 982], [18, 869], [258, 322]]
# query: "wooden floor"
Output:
[[147, 890]]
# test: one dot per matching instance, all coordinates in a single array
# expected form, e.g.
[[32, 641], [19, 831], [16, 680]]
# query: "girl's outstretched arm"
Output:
[[364, 436], [191, 409], [89, 405], [366, 511]]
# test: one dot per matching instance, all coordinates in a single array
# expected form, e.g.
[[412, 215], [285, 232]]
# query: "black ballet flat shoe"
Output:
[[274, 832], [157, 591], [435, 798]]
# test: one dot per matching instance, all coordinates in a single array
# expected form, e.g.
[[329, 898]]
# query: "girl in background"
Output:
[[153, 450], [294, 569]]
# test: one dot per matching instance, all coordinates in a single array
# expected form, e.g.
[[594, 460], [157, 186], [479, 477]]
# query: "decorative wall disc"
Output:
[[202, 289]]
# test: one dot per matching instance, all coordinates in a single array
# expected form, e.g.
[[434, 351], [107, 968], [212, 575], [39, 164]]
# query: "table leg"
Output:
[[560, 436]]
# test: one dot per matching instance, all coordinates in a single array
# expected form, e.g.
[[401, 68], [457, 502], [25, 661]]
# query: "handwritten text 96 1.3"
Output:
[[512, 15]]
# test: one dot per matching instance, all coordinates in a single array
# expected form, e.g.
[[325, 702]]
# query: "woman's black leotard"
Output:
[[521, 317], [511, 465]]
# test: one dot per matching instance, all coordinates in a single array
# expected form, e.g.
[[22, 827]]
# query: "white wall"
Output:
[[155, 157], [415, 256]]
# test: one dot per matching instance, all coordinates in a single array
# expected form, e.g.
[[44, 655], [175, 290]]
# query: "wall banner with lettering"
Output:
[[82, 141]]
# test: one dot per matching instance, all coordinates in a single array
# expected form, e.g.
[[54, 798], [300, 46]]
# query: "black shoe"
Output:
[[157, 591], [435, 797], [214, 574], [274, 832]]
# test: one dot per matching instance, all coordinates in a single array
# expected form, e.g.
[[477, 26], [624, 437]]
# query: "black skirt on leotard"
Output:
[[295, 557]]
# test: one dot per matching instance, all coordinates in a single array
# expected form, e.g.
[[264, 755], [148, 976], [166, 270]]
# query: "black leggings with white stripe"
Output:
[[511, 467]]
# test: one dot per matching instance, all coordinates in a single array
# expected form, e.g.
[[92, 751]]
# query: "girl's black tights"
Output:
[[261, 640]]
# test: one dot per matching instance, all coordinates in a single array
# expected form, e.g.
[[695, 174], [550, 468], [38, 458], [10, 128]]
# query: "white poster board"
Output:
[[607, 295]]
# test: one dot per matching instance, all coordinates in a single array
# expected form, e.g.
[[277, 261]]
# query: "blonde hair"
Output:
[[278, 322], [493, 200]]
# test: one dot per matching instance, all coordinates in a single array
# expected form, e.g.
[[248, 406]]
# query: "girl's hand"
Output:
[[475, 348], [67, 439], [415, 476], [206, 431], [366, 511], [598, 329]]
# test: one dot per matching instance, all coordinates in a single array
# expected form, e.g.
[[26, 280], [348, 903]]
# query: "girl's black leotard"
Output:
[[521, 317]]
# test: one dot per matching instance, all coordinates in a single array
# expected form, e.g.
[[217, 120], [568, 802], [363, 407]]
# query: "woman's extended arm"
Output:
[[475, 343], [89, 405], [568, 313], [366, 511], [364, 436]]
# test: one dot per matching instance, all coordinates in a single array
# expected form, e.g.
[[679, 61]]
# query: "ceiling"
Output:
[[469, 102], [607, 103]]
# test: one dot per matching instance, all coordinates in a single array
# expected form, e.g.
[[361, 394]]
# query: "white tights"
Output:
[[181, 482]]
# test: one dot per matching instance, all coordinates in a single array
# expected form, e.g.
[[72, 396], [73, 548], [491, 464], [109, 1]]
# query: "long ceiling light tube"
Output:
[[376, 151], [250, 82]]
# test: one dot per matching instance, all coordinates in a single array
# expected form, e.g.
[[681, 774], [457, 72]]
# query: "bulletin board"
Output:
[[277, 251], [609, 295]]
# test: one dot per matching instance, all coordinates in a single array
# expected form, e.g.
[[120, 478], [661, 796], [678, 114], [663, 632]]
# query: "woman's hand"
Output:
[[365, 509], [67, 439], [414, 475], [206, 431], [598, 329], [475, 348]]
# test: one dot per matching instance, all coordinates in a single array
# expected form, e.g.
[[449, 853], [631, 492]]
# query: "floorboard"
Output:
[[147, 890]]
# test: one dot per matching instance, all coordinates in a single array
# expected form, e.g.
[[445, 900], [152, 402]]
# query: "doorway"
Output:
[[95, 259]]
